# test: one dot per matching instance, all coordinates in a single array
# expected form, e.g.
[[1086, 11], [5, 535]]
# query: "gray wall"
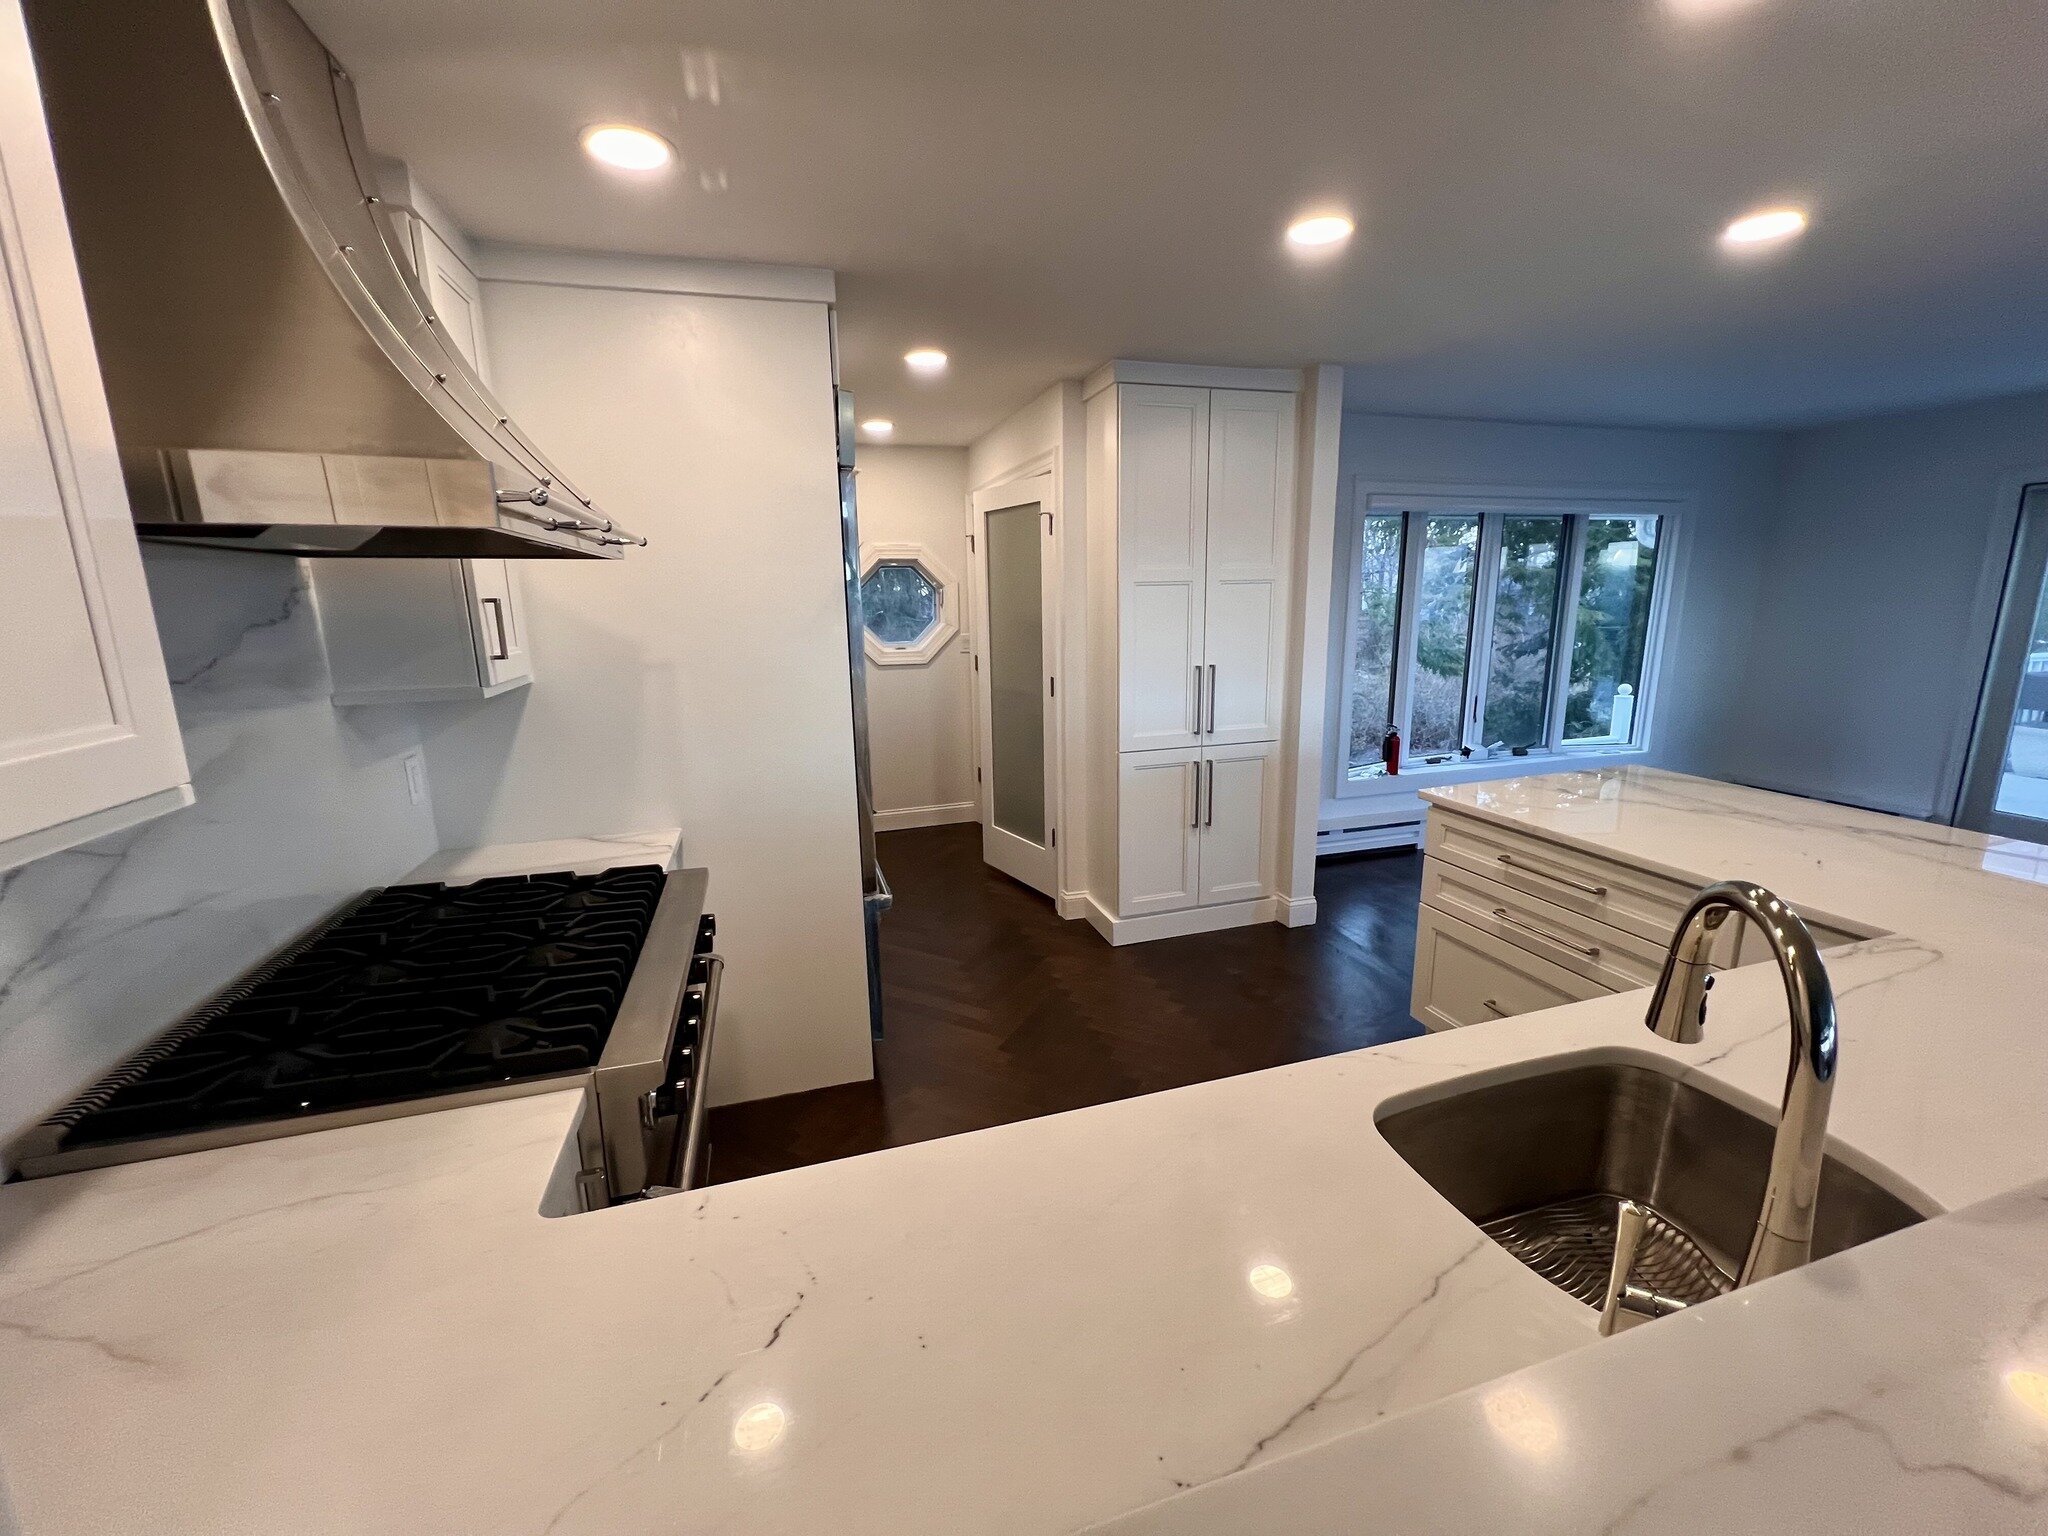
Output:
[[1880, 576], [300, 806]]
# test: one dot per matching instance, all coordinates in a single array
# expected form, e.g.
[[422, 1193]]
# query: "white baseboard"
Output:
[[1296, 914], [1400, 834], [926, 816], [1072, 904], [1174, 925]]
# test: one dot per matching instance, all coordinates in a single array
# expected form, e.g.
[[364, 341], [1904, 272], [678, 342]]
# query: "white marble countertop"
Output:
[[1027, 1329], [577, 855]]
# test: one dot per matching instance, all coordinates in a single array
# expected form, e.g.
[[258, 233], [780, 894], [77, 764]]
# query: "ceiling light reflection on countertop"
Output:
[[1765, 227], [1319, 231], [1270, 1281], [1523, 1420], [925, 360], [759, 1427], [626, 148]]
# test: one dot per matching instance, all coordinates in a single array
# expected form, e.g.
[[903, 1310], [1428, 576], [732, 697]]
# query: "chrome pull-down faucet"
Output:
[[1678, 1011]]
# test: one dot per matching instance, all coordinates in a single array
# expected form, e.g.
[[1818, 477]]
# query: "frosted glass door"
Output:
[[1015, 625], [1016, 672]]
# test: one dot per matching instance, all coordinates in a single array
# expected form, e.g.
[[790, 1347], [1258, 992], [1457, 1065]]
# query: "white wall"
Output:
[[1879, 588], [921, 715], [300, 807], [702, 681], [1728, 478], [1047, 434]]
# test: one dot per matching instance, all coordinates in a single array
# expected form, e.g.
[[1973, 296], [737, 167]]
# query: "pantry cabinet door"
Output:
[[88, 736], [1158, 808], [1250, 557], [1162, 534], [1240, 819]]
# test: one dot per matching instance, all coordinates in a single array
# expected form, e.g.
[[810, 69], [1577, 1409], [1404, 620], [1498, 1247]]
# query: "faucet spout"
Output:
[[1784, 1225]]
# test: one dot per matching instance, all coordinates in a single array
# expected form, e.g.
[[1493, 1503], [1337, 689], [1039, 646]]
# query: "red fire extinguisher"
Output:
[[1390, 750]]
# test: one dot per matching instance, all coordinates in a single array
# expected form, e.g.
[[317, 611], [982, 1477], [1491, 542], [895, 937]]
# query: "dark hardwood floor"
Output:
[[998, 1010]]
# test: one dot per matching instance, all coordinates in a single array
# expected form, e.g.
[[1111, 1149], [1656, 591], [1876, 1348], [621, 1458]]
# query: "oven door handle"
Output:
[[686, 1169]]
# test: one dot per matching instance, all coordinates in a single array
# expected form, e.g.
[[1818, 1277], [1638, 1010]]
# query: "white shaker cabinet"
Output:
[[402, 631], [1191, 532], [89, 738]]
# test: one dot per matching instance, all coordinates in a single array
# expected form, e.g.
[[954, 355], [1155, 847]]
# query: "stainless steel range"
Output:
[[423, 997]]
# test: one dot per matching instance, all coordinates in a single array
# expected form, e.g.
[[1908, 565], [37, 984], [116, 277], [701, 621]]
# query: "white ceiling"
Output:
[[1039, 185]]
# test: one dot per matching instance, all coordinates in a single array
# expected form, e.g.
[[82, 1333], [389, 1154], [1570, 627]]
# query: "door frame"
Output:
[[1026, 861], [2026, 570]]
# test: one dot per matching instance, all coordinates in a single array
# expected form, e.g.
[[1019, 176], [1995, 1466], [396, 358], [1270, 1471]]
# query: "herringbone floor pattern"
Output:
[[998, 1010]]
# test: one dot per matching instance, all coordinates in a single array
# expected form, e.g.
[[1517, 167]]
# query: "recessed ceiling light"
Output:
[[1319, 230], [626, 148], [878, 427], [926, 360], [1767, 226]]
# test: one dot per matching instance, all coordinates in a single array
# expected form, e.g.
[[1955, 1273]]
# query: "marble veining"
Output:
[[1050, 1324]]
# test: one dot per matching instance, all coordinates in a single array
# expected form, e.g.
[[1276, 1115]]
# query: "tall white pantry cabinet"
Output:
[[1191, 533], [89, 739]]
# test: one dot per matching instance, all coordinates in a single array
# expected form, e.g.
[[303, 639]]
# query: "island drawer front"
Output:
[[1464, 975], [1616, 894], [1617, 959]]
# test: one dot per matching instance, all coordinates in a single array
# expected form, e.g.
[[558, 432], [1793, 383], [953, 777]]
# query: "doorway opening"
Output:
[[1016, 688]]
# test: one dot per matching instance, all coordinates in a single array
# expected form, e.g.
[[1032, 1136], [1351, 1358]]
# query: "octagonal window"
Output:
[[900, 602]]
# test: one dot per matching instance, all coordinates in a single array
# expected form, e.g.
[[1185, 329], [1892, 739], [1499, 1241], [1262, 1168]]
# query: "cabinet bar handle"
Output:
[[1537, 869], [1210, 819], [1590, 951], [497, 607], [1212, 699], [1198, 702], [1195, 817], [1494, 1008]]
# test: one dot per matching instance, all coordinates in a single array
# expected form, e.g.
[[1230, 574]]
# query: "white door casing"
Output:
[[1249, 558], [1162, 540], [89, 737], [1019, 829]]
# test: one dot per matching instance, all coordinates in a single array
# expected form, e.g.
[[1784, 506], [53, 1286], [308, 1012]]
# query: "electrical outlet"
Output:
[[415, 777]]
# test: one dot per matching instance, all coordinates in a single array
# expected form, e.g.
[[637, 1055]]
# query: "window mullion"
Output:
[[1479, 637], [1567, 627], [1409, 618]]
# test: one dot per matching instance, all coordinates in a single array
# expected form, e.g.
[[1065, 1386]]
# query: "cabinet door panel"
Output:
[[1156, 833], [1463, 976], [1162, 533], [1249, 560], [86, 721], [500, 636], [1239, 809]]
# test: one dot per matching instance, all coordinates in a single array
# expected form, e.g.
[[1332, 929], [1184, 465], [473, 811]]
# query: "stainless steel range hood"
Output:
[[277, 377]]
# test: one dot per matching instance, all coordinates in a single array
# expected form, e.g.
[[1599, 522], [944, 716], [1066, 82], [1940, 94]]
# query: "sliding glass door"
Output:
[[2005, 786]]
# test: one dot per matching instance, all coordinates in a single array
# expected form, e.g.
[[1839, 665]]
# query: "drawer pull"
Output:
[[1494, 1008], [1590, 951], [1537, 869]]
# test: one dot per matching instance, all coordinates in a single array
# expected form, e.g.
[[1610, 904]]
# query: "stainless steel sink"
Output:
[[1541, 1163]]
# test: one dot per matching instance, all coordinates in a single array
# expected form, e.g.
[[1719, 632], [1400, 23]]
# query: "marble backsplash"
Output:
[[300, 805]]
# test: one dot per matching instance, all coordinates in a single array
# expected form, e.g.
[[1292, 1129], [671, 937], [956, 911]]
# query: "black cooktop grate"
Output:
[[417, 990]]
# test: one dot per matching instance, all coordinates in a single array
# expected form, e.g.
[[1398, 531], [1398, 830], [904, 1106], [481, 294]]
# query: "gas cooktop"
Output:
[[414, 991]]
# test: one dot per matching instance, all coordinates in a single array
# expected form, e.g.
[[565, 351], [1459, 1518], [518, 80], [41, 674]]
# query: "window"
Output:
[[900, 602], [1484, 634], [905, 611]]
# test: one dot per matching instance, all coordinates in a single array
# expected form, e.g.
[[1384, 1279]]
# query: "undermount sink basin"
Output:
[[1539, 1164]]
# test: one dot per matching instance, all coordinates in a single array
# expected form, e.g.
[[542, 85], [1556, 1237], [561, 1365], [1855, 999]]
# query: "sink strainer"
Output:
[[1570, 1243]]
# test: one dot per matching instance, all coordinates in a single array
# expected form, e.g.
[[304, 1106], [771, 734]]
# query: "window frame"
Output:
[[933, 642], [1492, 507]]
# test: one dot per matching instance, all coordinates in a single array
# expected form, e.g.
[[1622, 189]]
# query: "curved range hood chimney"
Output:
[[277, 377]]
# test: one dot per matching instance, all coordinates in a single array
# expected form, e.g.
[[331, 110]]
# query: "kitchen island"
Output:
[[1030, 1328]]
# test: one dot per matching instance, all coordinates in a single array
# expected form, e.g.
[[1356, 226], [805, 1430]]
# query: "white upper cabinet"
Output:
[[89, 739], [1162, 539], [1205, 513], [420, 630], [1250, 552]]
